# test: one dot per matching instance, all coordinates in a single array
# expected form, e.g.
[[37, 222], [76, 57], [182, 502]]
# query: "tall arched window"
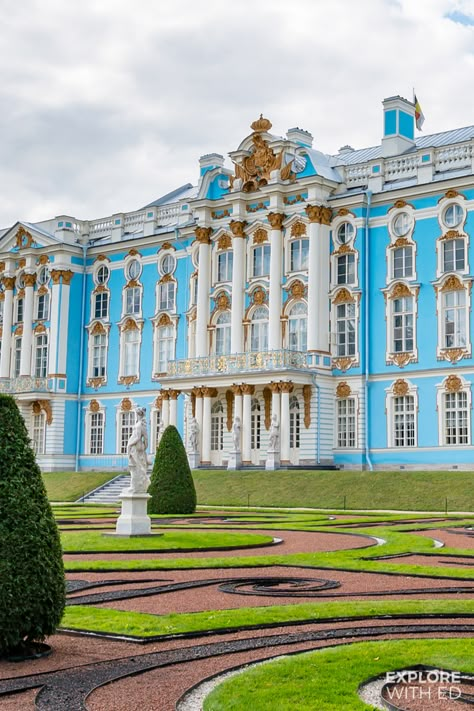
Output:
[[223, 330], [217, 426], [297, 327], [259, 329], [255, 425], [294, 423]]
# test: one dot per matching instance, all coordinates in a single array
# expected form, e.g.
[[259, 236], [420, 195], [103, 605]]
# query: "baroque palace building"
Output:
[[332, 291]]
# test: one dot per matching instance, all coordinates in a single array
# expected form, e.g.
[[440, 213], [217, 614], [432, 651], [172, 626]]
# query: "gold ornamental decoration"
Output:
[[342, 364], [400, 290], [134, 253], [450, 194], [126, 405], [97, 329], [223, 301], [96, 383], [45, 406], [247, 389], [224, 242], [256, 208], [344, 212], [293, 199], [452, 283], [451, 234], [260, 236], [8, 283], [203, 234], [344, 249], [326, 215], [2, 266], [164, 320], [286, 386], [402, 359], [19, 330], [40, 328], [259, 296], [229, 396], [30, 279], [101, 258], [298, 229], [129, 325], [94, 406], [23, 238], [22, 263], [276, 220], [453, 384], [274, 387], [261, 125], [167, 245], [21, 293], [453, 354], [237, 227], [343, 390], [400, 387], [297, 289], [42, 290], [307, 391], [236, 389], [400, 242], [128, 380], [343, 296]]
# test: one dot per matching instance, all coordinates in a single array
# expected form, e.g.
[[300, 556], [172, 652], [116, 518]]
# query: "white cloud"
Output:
[[105, 106]]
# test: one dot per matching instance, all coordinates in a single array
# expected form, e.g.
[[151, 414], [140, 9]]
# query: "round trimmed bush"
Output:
[[172, 486], [32, 584]]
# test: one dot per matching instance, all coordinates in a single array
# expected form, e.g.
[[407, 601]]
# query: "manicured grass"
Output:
[[399, 490], [327, 679], [90, 541], [70, 486], [106, 620]]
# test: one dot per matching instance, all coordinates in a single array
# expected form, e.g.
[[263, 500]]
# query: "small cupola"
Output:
[[398, 126]]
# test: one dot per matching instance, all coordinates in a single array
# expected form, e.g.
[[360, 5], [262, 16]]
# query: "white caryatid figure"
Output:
[[193, 435], [236, 432], [274, 436], [137, 459]]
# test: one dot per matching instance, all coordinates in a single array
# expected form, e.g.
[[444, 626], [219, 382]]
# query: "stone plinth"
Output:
[[273, 460], [193, 459], [134, 519], [235, 460]]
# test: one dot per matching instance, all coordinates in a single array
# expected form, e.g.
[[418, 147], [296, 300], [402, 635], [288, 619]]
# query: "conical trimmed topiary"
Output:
[[32, 585], [172, 486]]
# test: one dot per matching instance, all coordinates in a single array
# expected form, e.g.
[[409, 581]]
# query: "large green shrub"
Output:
[[32, 587], [172, 487]]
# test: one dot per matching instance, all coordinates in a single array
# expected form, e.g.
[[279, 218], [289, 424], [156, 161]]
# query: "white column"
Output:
[[63, 327], [276, 250], [53, 341], [238, 287], [198, 414], [165, 408], [247, 391], [206, 426], [318, 278], [204, 284], [276, 410], [8, 283], [236, 389], [285, 389], [173, 411], [27, 339]]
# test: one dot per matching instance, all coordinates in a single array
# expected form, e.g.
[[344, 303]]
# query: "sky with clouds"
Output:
[[108, 105]]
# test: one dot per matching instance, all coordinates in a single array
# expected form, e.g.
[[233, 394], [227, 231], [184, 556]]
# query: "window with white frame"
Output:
[[259, 329], [345, 233], [101, 305], [165, 347], [217, 426], [38, 432], [167, 264], [167, 291], [98, 362], [17, 357], [402, 261], [261, 260], [133, 269], [255, 424], [299, 252], [42, 307], [96, 433], [43, 276], [19, 310], [133, 300], [402, 224], [131, 351], [402, 328], [223, 333], [102, 274], [225, 261], [454, 255], [403, 425], [346, 422], [454, 318], [456, 418], [453, 215], [126, 422], [294, 423], [346, 329], [298, 327], [41, 355], [345, 265]]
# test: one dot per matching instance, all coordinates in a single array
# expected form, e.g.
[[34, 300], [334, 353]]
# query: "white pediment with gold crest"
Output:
[[24, 236]]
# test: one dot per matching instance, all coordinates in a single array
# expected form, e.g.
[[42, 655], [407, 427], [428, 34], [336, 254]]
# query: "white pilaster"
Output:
[[247, 391], [54, 328], [173, 407], [206, 426], [198, 414], [276, 249], [8, 283], [238, 287], [27, 339], [285, 389], [202, 315], [276, 408], [236, 389], [165, 408], [318, 278], [64, 321]]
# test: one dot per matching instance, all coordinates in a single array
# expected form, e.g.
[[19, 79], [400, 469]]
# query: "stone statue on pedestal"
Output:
[[137, 459], [236, 429], [193, 435], [274, 437], [235, 456]]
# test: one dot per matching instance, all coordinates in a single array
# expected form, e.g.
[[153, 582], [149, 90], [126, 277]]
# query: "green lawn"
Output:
[[70, 486], [328, 679], [408, 491]]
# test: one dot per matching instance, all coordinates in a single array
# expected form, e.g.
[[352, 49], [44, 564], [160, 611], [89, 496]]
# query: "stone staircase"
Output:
[[109, 492]]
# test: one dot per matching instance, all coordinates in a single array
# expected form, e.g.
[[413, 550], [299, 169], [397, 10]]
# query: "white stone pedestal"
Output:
[[235, 460], [193, 459], [273, 460], [134, 519]]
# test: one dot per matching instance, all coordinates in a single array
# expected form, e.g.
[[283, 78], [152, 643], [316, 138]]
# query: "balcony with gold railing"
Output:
[[238, 363]]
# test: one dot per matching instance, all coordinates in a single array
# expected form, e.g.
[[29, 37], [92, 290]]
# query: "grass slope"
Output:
[[408, 491], [70, 486]]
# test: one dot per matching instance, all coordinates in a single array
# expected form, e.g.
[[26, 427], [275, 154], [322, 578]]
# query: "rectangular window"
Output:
[[346, 269], [404, 421], [127, 420], [167, 296], [131, 352], [261, 261], [38, 433], [96, 435], [41, 356], [165, 348], [17, 358], [101, 307], [345, 330], [454, 319], [19, 311], [133, 300], [456, 423], [299, 251], [346, 423], [42, 313], [453, 255], [403, 324], [99, 355], [224, 266], [402, 262]]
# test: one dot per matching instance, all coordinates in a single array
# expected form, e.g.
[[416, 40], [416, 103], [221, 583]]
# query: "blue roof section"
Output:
[[434, 140], [181, 193]]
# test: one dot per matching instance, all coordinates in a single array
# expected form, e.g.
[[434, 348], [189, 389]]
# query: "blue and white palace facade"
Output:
[[332, 291]]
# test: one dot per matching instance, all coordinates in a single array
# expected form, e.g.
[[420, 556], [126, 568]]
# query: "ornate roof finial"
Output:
[[261, 125]]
